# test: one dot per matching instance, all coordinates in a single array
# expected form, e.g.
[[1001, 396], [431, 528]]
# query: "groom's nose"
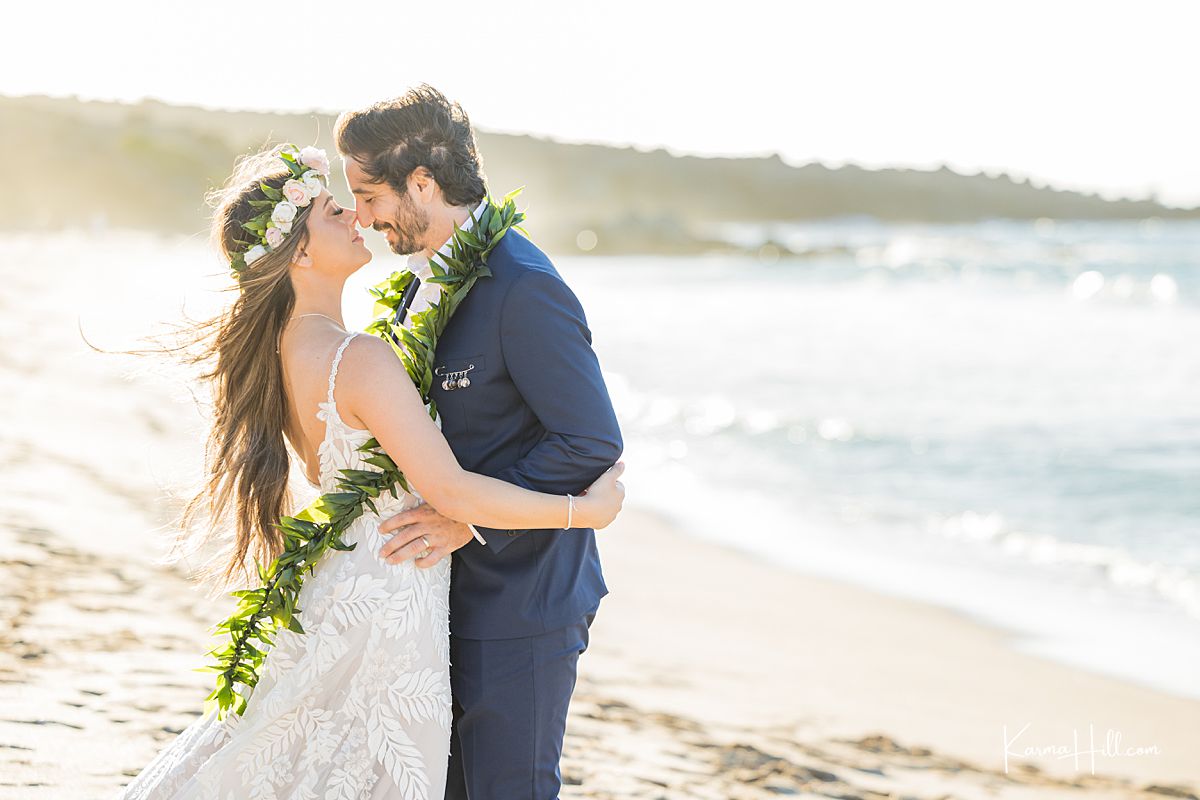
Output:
[[363, 215]]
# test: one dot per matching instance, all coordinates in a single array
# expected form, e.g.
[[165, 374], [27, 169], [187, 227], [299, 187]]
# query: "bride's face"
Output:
[[334, 243]]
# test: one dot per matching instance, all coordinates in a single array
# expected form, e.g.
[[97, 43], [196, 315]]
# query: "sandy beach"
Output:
[[711, 674]]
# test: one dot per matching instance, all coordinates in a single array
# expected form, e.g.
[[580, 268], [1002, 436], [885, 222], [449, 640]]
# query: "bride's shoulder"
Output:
[[367, 360], [371, 381], [365, 350]]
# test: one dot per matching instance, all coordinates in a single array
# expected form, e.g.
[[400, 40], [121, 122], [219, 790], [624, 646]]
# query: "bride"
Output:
[[359, 705]]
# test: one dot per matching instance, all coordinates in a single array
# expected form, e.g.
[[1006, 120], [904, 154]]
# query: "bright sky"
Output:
[[1087, 95]]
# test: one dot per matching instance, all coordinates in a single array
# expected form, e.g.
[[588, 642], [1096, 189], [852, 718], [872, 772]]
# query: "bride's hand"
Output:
[[601, 502]]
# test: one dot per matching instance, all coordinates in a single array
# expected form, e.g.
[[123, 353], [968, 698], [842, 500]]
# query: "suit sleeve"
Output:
[[547, 348]]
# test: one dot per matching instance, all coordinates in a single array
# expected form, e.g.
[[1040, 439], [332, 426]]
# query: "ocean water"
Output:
[[1000, 418]]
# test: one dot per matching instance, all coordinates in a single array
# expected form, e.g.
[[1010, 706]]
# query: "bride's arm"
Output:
[[373, 388]]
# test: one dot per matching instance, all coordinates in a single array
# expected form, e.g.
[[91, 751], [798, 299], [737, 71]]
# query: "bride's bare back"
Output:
[[306, 351]]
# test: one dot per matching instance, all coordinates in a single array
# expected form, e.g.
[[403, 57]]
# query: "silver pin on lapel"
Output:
[[454, 380]]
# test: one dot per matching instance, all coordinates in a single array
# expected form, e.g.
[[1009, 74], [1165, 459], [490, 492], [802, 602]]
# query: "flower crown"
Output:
[[309, 170]]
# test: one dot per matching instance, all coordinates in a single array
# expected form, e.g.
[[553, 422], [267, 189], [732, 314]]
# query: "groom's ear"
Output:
[[423, 183]]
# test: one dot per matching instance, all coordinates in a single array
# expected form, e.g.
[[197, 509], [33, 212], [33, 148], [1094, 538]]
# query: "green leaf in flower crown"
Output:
[[270, 191]]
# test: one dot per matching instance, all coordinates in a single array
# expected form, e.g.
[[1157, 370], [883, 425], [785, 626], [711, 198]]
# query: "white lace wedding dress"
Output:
[[358, 706]]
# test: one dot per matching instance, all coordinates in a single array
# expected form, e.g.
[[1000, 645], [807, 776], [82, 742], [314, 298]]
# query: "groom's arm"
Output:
[[547, 348]]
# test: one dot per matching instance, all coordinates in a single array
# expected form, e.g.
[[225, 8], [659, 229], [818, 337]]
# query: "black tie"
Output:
[[402, 311], [409, 294]]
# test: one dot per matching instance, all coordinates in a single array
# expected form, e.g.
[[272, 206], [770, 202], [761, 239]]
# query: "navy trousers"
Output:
[[510, 713]]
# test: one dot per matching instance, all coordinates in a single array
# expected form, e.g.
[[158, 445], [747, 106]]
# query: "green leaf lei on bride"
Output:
[[317, 529]]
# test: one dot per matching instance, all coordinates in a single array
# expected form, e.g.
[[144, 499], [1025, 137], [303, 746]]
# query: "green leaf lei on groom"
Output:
[[317, 529]]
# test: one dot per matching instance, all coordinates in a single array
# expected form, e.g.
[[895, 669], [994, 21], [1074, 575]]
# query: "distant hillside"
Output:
[[148, 165]]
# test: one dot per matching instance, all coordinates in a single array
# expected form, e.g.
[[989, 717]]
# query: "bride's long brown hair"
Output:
[[245, 486]]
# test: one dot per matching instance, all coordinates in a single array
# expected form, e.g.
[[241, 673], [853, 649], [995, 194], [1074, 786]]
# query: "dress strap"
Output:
[[337, 359]]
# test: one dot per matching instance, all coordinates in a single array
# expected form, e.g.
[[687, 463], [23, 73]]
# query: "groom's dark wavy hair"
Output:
[[420, 128]]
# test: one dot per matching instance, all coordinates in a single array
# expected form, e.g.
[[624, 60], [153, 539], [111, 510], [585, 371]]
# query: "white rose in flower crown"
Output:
[[297, 193], [255, 253], [286, 227], [315, 158], [312, 182], [285, 211], [274, 237]]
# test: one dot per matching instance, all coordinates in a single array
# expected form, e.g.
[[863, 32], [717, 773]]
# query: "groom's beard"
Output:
[[405, 233]]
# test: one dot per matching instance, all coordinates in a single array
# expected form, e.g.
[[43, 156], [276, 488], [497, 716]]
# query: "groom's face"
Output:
[[396, 216]]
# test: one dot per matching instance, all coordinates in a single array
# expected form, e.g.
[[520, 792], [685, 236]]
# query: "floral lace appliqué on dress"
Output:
[[359, 705]]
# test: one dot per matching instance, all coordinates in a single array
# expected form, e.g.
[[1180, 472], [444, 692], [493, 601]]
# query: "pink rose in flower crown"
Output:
[[274, 237], [315, 158], [297, 193]]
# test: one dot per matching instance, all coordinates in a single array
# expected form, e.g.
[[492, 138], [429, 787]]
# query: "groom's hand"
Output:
[[444, 536]]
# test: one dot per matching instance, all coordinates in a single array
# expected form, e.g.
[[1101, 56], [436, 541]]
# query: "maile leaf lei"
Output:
[[317, 529]]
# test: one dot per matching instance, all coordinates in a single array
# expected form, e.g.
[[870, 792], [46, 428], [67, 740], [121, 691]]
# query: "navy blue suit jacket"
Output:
[[536, 414]]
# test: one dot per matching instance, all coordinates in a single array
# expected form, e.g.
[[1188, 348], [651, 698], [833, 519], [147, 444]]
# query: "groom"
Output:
[[521, 399]]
